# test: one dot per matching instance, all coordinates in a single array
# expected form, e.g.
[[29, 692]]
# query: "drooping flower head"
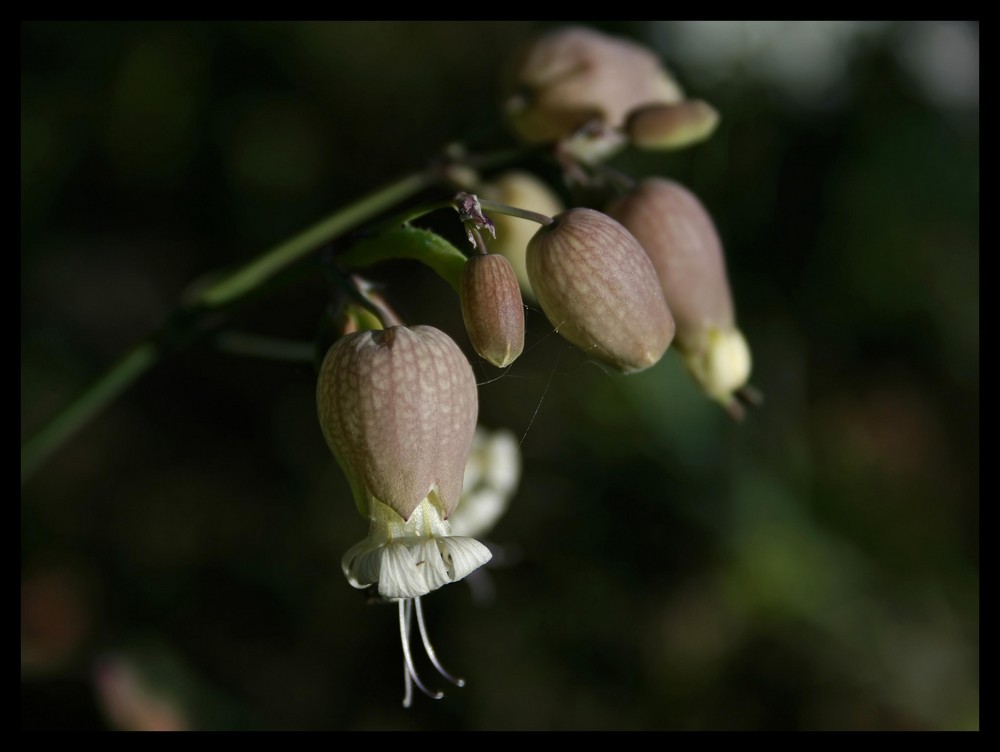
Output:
[[398, 410]]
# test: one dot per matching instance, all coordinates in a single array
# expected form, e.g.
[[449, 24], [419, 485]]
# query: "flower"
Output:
[[398, 410], [406, 559], [410, 558], [577, 84], [491, 477]]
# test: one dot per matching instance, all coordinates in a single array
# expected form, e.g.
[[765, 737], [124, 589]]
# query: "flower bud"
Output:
[[599, 290], [525, 191], [398, 410], [573, 76], [493, 309], [671, 126], [681, 240]]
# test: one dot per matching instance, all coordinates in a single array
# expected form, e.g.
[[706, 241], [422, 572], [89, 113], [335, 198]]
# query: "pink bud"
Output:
[[493, 309], [599, 290], [681, 240]]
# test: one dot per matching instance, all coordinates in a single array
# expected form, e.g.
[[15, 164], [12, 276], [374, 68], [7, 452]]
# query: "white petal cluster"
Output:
[[491, 477], [407, 559]]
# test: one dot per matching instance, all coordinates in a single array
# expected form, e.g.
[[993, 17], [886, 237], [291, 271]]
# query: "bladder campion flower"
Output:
[[398, 410]]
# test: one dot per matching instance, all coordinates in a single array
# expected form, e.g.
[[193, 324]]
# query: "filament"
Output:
[[457, 681], [405, 607]]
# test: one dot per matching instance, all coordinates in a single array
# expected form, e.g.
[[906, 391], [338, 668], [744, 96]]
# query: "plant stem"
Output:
[[513, 211], [411, 243], [248, 277], [268, 348], [222, 294], [136, 362]]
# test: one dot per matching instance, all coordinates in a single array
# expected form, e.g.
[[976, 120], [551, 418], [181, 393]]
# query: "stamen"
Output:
[[407, 681], [407, 686], [457, 681], [405, 607]]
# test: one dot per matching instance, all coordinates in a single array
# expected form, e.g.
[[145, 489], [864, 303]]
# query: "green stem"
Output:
[[248, 277], [223, 293], [409, 243], [136, 362], [409, 215], [268, 348]]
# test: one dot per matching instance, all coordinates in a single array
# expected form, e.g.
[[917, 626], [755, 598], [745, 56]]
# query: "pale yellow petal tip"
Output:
[[664, 127], [722, 367]]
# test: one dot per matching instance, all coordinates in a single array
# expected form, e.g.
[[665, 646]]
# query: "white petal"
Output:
[[464, 555], [503, 468], [362, 562], [411, 567], [479, 512]]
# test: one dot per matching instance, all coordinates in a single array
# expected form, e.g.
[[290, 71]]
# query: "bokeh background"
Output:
[[816, 567]]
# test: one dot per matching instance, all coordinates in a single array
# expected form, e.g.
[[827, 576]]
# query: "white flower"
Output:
[[410, 558], [491, 477], [398, 410], [406, 559]]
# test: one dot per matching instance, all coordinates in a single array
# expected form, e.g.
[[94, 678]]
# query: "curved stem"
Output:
[[477, 240], [132, 365], [251, 275], [267, 348], [410, 243], [492, 206], [404, 218]]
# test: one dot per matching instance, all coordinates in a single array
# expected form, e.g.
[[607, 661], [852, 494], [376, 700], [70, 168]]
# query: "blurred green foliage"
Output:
[[813, 568]]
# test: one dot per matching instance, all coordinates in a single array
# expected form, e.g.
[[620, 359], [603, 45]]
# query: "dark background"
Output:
[[815, 567]]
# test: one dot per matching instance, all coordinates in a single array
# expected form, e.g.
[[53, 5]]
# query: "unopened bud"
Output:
[[525, 191], [599, 290], [671, 126], [493, 309], [682, 242], [398, 410]]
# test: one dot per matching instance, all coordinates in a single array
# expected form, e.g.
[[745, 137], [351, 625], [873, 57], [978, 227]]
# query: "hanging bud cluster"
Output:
[[398, 406]]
